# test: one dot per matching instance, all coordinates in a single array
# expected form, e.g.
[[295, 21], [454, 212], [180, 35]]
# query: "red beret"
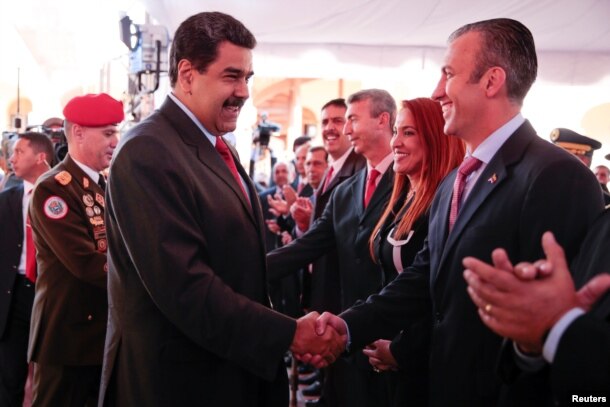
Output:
[[94, 110]]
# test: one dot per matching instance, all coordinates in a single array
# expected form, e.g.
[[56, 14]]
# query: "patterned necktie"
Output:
[[467, 167], [370, 186], [30, 251], [224, 152], [329, 175]]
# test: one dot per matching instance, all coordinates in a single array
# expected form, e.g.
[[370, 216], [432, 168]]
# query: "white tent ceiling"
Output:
[[382, 33], [62, 44], [558, 25]]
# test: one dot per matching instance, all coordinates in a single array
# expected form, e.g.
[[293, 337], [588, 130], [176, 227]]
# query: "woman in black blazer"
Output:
[[423, 156]]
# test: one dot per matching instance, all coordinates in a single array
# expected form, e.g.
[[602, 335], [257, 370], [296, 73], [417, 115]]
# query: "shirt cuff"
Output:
[[527, 363], [552, 341], [298, 232], [349, 337]]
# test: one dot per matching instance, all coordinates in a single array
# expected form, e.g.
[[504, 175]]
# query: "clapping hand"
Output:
[[278, 206], [301, 211], [290, 195], [525, 301]]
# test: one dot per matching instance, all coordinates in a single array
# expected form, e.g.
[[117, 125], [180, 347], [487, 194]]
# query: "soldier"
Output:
[[582, 147], [69, 315]]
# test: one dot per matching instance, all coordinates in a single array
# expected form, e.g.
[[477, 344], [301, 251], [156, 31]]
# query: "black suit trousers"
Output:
[[14, 344], [67, 386]]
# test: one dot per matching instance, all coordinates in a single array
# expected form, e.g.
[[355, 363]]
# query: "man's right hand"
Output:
[[319, 350]]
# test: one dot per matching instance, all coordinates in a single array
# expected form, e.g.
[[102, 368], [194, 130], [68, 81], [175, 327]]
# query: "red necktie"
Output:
[[329, 175], [467, 167], [30, 251], [370, 186], [224, 152]]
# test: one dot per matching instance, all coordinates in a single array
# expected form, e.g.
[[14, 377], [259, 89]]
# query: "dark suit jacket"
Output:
[[271, 239], [346, 226], [69, 314], [189, 322], [11, 246], [410, 348], [582, 360], [529, 187], [325, 287]]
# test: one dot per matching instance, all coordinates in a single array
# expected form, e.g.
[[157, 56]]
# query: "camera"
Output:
[[262, 135], [54, 130]]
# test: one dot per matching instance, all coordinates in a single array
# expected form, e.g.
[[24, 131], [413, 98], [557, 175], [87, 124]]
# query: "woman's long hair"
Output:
[[442, 154]]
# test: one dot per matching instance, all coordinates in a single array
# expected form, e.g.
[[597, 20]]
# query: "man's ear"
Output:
[[494, 80], [185, 75], [384, 119], [78, 133]]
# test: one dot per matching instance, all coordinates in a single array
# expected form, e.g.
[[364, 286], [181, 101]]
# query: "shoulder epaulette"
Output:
[[63, 178]]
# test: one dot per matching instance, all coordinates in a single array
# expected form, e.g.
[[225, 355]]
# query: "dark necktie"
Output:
[[468, 166], [370, 186], [101, 181], [30, 251], [226, 155]]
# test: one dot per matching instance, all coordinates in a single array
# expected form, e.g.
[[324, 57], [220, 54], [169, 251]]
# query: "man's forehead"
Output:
[[356, 106], [333, 111]]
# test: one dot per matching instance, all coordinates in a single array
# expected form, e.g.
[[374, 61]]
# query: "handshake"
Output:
[[319, 339]]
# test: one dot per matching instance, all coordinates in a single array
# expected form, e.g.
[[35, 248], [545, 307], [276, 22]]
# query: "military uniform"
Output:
[[70, 312], [70, 309]]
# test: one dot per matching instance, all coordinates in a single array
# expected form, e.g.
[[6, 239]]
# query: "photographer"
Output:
[[261, 153]]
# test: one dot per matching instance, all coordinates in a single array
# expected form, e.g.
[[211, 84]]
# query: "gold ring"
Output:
[[488, 308]]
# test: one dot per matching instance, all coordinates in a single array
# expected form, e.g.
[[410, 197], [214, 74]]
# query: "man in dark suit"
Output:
[[564, 331], [321, 287], [69, 314], [519, 186], [346, 225], [282, 175], [32, 153], [325, 287], [189, 319]]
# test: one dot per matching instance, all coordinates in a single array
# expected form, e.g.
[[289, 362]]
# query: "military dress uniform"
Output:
[[69, 315]]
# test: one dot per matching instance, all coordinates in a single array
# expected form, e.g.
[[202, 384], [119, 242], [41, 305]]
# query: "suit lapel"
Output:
[[346, 171], [494, 175], [207, 154], [358, 193]]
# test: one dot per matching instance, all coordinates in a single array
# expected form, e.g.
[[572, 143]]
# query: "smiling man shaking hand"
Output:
[[189, 317]]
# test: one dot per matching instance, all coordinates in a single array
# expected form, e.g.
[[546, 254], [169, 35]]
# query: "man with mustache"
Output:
[[69, 314], [189, 317]]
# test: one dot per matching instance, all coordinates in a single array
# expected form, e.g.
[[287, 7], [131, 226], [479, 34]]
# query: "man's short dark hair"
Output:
[[508, 44], [315, 149], [340, 102], [299, 141], [198, 37], [40, 143]]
